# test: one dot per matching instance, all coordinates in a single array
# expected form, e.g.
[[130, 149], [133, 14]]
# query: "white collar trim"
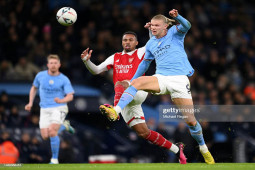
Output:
[[129, 53]]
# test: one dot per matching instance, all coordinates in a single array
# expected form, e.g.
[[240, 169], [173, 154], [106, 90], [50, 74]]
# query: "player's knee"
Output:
[[137, 83], [191, 123], [45, 134], [45, 137], [53, 132], [123, 84]]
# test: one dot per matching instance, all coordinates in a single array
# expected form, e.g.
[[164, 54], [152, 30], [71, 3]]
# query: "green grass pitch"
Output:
[[133, 166]]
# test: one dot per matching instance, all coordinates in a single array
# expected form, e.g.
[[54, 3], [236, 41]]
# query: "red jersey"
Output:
[[124, 68], [125, 64]]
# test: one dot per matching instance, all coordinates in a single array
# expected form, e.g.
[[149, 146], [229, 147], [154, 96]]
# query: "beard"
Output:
[[127, 50], [53, 70]]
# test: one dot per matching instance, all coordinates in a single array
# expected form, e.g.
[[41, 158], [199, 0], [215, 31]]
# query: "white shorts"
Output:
[[176, 86], [133, 112], [52, 115]]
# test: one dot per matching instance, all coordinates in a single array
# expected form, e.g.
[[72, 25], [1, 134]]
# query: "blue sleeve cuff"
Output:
[[184, 22]]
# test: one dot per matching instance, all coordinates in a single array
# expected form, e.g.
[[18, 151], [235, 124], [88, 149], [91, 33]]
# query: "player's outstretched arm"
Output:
[[144, 65], [148, 26], [93, 69], [66, 99], [32, 94], [185, 24], [86, 54], [142, 68]]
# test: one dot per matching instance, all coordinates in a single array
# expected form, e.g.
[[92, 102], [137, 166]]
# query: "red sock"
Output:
[[158, 139], [119, 89]]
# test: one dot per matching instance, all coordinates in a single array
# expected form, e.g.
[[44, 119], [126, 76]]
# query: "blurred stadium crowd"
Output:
[[220, 46]]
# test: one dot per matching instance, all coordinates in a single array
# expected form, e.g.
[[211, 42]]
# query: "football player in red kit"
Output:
[[124, 65]]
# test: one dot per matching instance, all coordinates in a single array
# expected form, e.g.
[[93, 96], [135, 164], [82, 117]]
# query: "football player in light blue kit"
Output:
[[55, 91], [172, 69]]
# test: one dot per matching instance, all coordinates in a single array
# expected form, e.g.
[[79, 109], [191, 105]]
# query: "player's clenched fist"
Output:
[[28, 107], [173, 13], [57, 100]]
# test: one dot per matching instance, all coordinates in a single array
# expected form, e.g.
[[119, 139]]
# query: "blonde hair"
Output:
[[53, 56], [164, 19]]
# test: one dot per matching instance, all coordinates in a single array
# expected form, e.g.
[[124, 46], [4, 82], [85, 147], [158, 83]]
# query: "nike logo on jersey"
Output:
[[118, 60]]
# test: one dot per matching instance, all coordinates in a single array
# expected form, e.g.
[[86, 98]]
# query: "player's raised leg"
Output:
[[107, 109], [194, 127], [142, 83], [66, 126], [119, 89], [157, 139]]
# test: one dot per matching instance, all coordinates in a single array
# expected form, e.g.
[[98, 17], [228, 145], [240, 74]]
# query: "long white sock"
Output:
[[174, 148], [117, 109], [203, 148]]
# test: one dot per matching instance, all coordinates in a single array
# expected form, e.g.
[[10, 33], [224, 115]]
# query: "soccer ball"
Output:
[[66, 16]]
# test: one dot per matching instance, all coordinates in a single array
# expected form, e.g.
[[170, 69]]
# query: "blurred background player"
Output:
[[124, 66], [172, 69], [55, 91]]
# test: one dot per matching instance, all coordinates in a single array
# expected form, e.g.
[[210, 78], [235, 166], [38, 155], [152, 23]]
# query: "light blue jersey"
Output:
[[168, 52], [51, 87]]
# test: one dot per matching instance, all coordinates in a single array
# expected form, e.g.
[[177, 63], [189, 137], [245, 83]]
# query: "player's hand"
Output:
[[148, 25], [173, 13], [28, 107], [58, 100], [86, 54]]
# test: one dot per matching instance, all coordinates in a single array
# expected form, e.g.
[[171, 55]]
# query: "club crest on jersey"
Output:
[[51, 82], [130, 60]]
